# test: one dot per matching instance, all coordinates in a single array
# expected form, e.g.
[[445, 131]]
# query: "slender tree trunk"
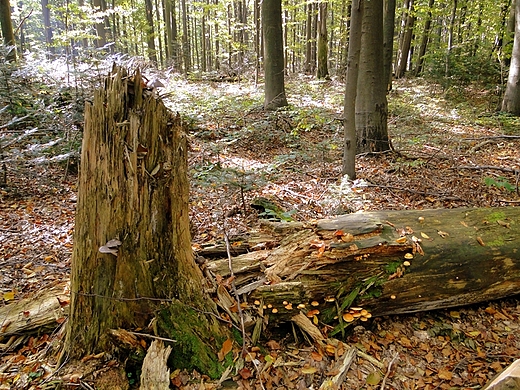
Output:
[[351, 83], [388, 33], [511, 101], [323, 68], [406, 39], [186, 51], [258, 34], [150, 31], [273, 51], [157, 35], [46, 12], [203, 49], [101, 40], [167, 9], [308, 42], [371, 103], [424, 39], [450, 38]]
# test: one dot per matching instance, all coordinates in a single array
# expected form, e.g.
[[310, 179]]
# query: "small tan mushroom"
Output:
[[315, 303], [312, 313], [301, 306], [348, 317]]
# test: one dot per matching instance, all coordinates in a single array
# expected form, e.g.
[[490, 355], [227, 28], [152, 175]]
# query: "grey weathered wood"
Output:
[[470, 256]]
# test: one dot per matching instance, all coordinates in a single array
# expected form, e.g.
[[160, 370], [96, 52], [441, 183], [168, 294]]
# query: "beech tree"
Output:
[[351, 84], [511, 101], [274, 94], [7, 28], [371, 103]]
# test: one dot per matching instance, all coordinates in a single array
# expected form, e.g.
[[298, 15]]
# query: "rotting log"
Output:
[[388, 262]]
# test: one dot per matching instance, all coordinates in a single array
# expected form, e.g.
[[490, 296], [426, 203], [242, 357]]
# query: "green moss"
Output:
[[496, 243], [496, 216], [197, 339]]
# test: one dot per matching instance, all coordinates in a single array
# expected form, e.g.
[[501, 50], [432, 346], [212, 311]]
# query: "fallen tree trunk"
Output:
[[388, 262]]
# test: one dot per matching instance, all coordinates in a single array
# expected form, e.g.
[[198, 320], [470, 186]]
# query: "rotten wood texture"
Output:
[[155, 374], [48, 308], [389, 262], [509, 379]]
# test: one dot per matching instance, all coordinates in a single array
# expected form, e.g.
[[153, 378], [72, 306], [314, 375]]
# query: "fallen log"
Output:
[[48, 308], [387, 262]]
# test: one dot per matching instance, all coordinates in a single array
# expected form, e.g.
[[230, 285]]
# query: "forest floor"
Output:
[[449, 149]]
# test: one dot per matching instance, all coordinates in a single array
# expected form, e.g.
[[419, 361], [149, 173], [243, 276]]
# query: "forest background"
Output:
[[451, 61]]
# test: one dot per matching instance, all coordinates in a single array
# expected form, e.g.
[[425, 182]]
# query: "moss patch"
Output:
[[197, 339]]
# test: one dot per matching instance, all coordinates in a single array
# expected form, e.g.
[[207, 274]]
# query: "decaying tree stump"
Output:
[[388, 262], [132, 245]]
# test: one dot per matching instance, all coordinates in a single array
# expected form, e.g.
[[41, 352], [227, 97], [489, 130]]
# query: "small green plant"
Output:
[[500, 183]]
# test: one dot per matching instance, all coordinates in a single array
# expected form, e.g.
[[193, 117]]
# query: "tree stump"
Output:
[[132, 245]]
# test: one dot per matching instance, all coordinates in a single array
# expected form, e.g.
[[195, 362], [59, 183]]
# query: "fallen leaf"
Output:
[[309, 370], [273, 344], [445, 374], [442, 234], [424, 235], [317, 356], [226, 348], [8, 296], [245, 373], [373, 378]]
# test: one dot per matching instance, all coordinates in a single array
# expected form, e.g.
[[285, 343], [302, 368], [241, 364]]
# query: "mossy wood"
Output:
[[389, 262], [132, 248]]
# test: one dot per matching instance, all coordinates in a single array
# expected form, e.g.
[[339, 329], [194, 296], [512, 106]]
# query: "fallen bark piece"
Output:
[[46, 308], [509, 379], [343, 367], [155, 373]]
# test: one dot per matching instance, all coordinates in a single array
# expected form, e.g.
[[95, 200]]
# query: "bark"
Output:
[[388, 37], [100, 6], [150, 32], [323, 69], [186, 50], [309, 66], [46, 309], [273, 51], [424, 40], [511, 101], [406, 39], [371, 103], [464, 256], [351, 80], [46, 14], [7, 28], [132, 247]]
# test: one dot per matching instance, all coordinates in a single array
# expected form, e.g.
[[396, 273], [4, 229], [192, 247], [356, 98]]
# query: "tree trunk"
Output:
[[371, 103], [46, 13], [511, 101], [132, 247], [406, 40], [450, 38], [388, 262], [388, 39], [273, 51], [186, 50], [323, 69], [100, 7], [7, 28], [150, 32], [309, 66], [424, 39], [351, 80]]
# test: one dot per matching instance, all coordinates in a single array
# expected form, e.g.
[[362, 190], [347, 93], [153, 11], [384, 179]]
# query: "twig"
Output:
[[388, 370], [415, 192], [152, 337], [237, 297], [490, 167]]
